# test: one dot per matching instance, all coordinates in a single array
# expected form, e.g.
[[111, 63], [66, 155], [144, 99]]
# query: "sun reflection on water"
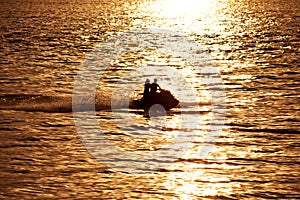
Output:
[[189, 16], [197, 182], [192, 17], [180, 8]]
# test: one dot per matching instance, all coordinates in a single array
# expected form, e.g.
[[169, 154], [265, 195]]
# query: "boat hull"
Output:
[[164, 98]]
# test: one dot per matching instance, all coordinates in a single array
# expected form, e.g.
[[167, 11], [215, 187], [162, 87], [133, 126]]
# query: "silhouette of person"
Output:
[[154, 86], [146, 88]]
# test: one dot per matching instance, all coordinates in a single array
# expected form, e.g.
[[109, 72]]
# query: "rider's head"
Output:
[[147, 81], [155, 80]]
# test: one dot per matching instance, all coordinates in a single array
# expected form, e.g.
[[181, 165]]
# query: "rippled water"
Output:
[[255, 46]]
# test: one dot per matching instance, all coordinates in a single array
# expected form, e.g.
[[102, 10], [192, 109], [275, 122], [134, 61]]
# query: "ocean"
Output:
[[233, 65]]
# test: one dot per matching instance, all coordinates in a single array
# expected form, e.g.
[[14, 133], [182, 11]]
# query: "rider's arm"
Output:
[[159, 87]]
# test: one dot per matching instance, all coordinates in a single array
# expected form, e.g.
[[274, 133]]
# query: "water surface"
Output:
[[255, 45]]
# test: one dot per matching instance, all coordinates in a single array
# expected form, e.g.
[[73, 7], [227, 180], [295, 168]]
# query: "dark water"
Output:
[[255, 45]]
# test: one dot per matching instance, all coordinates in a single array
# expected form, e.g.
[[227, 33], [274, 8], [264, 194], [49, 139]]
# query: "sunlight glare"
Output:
[[180, 8]]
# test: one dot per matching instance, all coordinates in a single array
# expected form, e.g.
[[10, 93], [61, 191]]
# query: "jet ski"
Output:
[[163, 98]]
